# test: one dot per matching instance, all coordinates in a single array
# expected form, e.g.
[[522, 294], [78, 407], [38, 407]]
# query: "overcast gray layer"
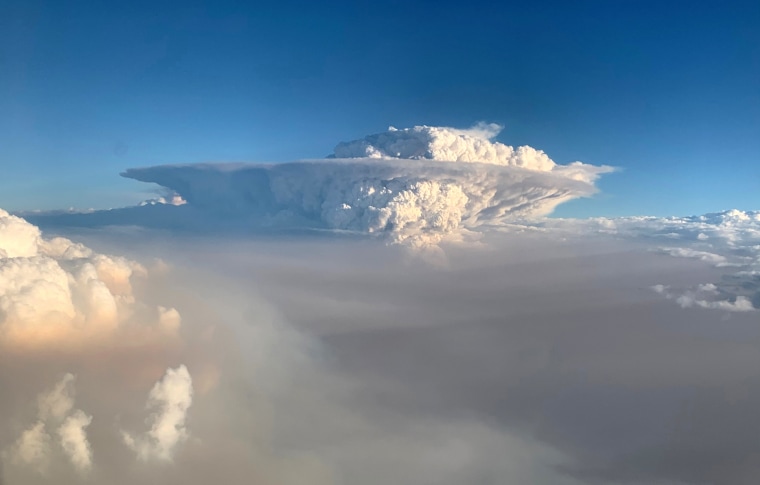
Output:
[[527, 360]]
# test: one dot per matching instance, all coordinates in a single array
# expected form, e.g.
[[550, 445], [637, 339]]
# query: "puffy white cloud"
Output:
[[171, 398], [169, 199], [17, 237], [414, 186], [54, 292], [708, 296]]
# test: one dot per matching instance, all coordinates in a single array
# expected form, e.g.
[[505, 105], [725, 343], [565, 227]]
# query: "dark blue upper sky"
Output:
[[667, 90]]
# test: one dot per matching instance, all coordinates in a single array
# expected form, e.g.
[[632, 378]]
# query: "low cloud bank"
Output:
[[728, 240], [415, 186], [540, 357], [234, 394]]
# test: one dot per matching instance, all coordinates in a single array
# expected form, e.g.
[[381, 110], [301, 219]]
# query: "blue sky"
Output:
[[668, 91]]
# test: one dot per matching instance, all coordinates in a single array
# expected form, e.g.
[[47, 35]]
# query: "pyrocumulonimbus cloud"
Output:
[[415, 186]]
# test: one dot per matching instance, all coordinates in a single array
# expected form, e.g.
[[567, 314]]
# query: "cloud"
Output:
[[707, 296], [526, 336], [57, 403], [171, 398], [728, 240], [74, 440], [539, 356], [734, 234], [65, 305], [472, 145], [415, 186], [33, 447], [54, 292], [275, 411], [55, 407], [705, 256], [17, 237]]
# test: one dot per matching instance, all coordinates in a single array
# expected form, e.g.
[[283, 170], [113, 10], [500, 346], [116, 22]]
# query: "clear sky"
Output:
[[667, 90]]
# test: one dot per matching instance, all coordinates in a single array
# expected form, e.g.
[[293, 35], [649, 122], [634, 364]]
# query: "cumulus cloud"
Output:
[[57, 403], [705, 256], [171, 398], [72, 433], [65, 305], [54, 292], [706, 295], [415, 186], [55, 407], [473, 145], [33, 447], [169, 199]]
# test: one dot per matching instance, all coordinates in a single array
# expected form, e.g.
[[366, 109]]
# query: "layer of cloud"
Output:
[[729, 240], [267, 407], [528, 336], [540, 356], [414, 186]]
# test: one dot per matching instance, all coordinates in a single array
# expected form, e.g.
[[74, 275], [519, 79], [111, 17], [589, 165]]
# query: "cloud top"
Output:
[[445, 144]]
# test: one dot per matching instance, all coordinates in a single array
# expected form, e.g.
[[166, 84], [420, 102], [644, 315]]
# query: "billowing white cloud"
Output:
[[445, 144], [54, 292], [414, 186], [17, 237], [171, 398]]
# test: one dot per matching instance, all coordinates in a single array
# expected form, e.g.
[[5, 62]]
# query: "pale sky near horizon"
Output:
[[669, 92]]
